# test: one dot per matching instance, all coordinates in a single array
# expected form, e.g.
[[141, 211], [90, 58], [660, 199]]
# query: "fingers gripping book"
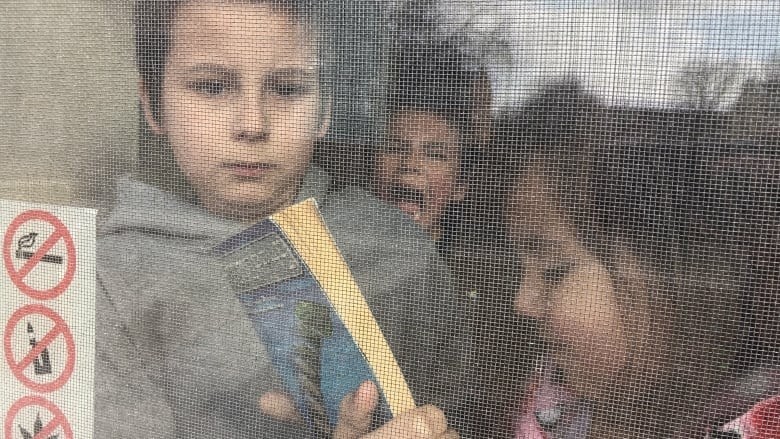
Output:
[[309, 312]]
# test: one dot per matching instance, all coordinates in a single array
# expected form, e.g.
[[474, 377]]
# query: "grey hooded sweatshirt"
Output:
[[177, 355]]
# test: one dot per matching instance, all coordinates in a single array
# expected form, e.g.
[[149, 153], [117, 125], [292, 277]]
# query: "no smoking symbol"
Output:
[[34, 247], [30, 412], [21, 355]]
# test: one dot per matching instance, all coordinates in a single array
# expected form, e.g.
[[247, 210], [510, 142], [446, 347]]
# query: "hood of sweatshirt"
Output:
[[143, 207]]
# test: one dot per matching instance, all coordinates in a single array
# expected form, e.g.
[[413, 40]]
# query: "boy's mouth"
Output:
[[410, 200], [248, 169]]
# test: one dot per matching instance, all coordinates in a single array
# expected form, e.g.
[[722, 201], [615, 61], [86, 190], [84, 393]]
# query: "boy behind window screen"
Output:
[[435, 106]]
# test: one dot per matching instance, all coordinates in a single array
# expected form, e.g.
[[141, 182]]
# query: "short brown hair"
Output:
[[436, 77], [153, 22]]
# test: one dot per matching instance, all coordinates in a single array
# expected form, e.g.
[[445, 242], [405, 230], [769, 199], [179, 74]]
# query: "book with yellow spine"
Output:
[[309, 311]]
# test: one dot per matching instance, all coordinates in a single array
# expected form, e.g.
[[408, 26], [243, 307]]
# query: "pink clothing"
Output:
[[760, 422], [552, 412]]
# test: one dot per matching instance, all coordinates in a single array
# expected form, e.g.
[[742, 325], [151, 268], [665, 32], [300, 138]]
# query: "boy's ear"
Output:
[[461, 189], [146, 106], [326, 109]]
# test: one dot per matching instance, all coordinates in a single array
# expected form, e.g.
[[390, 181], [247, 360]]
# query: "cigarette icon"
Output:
[[28, 241]]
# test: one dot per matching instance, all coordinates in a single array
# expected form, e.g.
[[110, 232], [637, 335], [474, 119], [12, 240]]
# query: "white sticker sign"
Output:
[[47, 315], [39, 254]]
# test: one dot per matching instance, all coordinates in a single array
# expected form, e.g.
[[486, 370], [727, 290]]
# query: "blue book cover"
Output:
[[310, 346]]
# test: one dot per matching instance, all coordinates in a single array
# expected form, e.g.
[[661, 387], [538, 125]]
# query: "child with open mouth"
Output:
[[436, 102], [640, 321], [646, 281]]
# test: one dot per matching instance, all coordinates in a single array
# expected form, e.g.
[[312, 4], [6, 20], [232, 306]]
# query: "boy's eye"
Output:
[[291, 83], [288, 88], [555, 275], [210, 87], [436, 153], [395, 147]]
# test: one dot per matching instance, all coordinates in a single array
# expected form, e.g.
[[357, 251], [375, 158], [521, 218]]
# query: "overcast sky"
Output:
[[631, 52]]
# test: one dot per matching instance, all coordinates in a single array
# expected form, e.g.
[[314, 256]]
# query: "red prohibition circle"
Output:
[[59, 419], [60, 328], [60, 233]]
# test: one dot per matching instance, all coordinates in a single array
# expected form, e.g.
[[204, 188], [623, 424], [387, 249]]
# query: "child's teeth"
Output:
[[547, 418]]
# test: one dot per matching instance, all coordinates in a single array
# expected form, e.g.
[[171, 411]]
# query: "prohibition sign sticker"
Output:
[[43, 409], [28, 269], [21, 362]]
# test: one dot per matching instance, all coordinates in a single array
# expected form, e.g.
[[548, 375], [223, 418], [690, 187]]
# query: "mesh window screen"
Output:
[[386, 219]]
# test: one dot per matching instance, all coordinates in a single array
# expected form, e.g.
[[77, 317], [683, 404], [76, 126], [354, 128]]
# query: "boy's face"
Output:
[[240, 105], [419, 168]]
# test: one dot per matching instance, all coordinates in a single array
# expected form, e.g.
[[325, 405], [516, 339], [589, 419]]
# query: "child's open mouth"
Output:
[[411, 201], [249, 170], [550, 410]]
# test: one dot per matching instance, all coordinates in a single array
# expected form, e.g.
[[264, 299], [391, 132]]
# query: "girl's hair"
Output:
[[701, 217], [697, 224], [562, 125]]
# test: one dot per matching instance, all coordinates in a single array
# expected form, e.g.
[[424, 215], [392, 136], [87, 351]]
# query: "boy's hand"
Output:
[[355, 412], [279, 406]]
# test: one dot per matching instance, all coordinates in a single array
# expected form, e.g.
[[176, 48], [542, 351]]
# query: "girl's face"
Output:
[[240, 104], [418, 170], [604, 353], [570, 292]]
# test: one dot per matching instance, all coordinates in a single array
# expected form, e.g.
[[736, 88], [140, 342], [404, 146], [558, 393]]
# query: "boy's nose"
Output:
[[530, 300], [411, 162], [251, 119]]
